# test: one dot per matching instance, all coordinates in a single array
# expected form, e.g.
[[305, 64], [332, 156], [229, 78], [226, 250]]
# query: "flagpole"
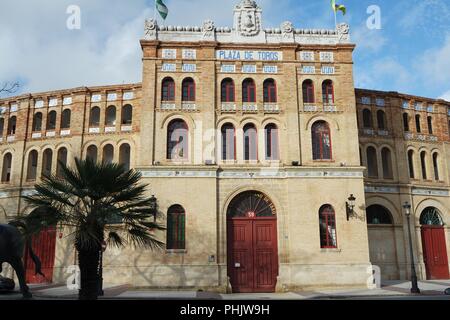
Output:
[[335, 19], [154, 12]]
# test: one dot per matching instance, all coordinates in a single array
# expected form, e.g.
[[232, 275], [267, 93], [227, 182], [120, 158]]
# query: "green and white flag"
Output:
[[338, 7], [162, 9]]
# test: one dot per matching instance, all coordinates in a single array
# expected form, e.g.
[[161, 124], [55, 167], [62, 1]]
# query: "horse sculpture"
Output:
[[12, 244]]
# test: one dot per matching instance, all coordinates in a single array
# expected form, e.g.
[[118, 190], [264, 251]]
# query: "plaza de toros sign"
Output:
[[249, 55]]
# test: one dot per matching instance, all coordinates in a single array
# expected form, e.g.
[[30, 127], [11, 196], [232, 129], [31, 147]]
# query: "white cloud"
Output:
[[374, 75], [368, 40], [445, 96], [37, 48], [434, 65]]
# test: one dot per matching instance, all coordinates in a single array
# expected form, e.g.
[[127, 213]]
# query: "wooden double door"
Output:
[[44, 246], [252, 254], [435, 252]]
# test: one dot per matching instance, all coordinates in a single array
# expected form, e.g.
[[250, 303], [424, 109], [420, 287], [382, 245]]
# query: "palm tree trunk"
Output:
[[88, 260]]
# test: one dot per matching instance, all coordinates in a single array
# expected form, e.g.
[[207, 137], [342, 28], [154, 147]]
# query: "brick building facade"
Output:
[[249, 137]]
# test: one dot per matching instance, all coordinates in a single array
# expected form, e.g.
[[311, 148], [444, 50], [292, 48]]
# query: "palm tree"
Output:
[[85, 199]]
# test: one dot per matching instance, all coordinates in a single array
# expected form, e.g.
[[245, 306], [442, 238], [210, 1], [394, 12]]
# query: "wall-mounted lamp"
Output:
[[350, 205]]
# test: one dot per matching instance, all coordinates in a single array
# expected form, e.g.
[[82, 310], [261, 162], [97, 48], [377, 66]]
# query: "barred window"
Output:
[[176, 220], [327, 221]]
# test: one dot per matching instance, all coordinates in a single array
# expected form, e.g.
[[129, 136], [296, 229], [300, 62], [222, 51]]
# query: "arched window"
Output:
[[47, 159], [430, 124], [6, 167], [248, 91], [227, 90], [32, 165], [308, 91], [405, 122], [2, 126], [270, 91], [327, 222], [168, 90], [372, 162], [321, 141], [124, 155], [62, 160], [51, 120], [272, 143], [177, 140], [387, 163], [411, 164], [327, 92], [92, 153], [110, 119], [37, 121], [108, 154], [431, 216], [94, 117], [176, 221], [250, 142], [228, 142], [367, 118], [12, 125], [418, 129], [423, 164], [377, 214], [381, 120], [65, 119], [127, 114], [188, 89], [436, 166]]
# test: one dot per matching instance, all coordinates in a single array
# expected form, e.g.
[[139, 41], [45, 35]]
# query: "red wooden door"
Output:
[[44, 247], [435, 252], [252, 254]]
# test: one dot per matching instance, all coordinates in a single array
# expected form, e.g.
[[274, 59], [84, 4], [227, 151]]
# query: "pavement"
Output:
[[390, 290]]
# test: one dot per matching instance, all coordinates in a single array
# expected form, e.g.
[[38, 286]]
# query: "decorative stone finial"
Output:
[[343, 30], [150, 28], [208, 29], [248, 4]]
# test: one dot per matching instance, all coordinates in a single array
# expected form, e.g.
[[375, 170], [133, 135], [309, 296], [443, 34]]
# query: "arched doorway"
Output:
[[44, 245], [252, 243], [382, 244], [433, 244]]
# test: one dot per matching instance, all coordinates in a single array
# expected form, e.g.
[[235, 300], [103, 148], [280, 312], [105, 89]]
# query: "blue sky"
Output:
[[410, 53]]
